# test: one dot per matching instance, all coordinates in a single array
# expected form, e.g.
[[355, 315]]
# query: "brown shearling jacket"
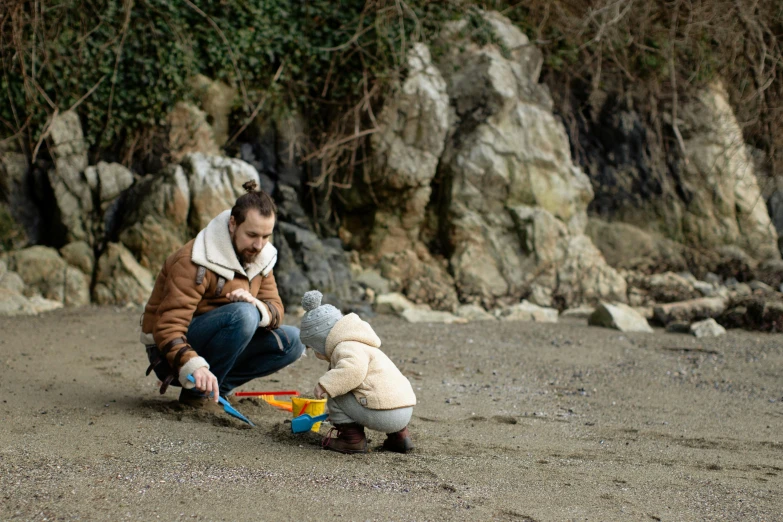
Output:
[[185, 289]]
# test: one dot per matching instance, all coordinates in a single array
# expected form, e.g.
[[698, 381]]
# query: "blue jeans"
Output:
[[236, 349]]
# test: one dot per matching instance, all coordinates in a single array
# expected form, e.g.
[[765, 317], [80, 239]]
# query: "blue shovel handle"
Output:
[[227, 406]]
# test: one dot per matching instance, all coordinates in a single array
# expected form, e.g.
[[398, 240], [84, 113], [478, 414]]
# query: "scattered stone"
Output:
[[582, 312], [688, 311], [423, 315], [526, 311], [741, 289], [619, 316], [704, 288], [667, 287], [707, 328], [758, 285], [393, 303], [473, 312]]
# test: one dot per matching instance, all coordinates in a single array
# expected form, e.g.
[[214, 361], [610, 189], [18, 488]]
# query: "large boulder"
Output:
[[156, 221], [215, 182], [667, 287], [413, 128], [701, 195], [216, 100], [689, 311], [725, 206], [515, 202], [189, 132], [119, 279], [80, 255], [46, 273], [629, 247], [306, 262], [618, 316], [107, 181], [67, 179], [421, 278], [755, 312]]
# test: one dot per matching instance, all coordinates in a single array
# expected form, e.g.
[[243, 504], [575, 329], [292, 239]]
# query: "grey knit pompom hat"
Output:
[[318, 321]]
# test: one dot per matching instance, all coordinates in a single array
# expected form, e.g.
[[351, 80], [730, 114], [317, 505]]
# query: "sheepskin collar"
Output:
[[213, 250]]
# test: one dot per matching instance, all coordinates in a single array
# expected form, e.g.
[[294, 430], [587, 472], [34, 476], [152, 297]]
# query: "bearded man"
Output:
[[215, 312]]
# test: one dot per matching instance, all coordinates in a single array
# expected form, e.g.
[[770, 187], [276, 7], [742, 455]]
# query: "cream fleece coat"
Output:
[[357, 365]]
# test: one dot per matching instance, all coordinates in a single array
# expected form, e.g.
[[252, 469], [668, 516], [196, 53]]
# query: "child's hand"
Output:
[[319, 392]]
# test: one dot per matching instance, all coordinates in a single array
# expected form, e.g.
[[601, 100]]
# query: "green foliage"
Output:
[[139, 60]]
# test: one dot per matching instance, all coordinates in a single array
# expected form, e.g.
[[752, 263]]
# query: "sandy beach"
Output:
[[515, 421]]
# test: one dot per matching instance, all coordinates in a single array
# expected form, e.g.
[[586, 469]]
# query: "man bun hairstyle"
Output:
[[253, 199]]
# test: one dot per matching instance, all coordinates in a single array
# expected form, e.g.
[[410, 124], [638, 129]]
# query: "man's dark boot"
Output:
[[350, 439], [399, 441]]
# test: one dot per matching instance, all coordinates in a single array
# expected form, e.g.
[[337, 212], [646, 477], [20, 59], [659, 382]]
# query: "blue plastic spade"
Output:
[[226, 406], [304, 422]]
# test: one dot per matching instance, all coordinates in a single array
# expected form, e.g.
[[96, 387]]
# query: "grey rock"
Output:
[[12, 281], [215, 182], [392, 303], [526, 311], [689, 311], [707, 328], [80, 255], [473, 312], [423, 315], [713, 279], [13, 304], [373, 279], [46, 273], [619, 316], [155, 223], [763, 287], [306, 262], [704, 288], [581, 312], [120, 280]]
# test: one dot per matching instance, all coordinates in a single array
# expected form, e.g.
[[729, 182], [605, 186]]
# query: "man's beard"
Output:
[[246, 256]]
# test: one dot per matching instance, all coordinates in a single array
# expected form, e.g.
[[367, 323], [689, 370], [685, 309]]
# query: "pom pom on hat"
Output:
[[317, 321], [311, 300]]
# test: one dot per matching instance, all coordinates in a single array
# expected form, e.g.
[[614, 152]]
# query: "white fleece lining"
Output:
[[265, 317], [190, 367], [213, 250]]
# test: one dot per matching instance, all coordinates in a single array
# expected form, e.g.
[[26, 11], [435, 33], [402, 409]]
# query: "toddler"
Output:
[[363, 386]]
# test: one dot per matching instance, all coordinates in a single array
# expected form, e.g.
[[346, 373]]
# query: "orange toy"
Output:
[[269, 397]]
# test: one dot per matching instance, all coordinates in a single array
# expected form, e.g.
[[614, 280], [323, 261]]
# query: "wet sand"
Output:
[[516, 421]]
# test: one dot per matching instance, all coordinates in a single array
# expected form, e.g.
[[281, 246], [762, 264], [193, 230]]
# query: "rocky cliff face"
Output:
[[471, 196], [703, 194]]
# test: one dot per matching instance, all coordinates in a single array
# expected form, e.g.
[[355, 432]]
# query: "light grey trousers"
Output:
[[345, 409]]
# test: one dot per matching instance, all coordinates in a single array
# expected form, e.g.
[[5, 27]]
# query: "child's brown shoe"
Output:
[[350, 439], [399, 441]]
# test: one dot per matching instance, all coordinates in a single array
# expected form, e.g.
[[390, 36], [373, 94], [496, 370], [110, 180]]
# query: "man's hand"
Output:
[[240, 294], [206, 383], [319, 392]]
